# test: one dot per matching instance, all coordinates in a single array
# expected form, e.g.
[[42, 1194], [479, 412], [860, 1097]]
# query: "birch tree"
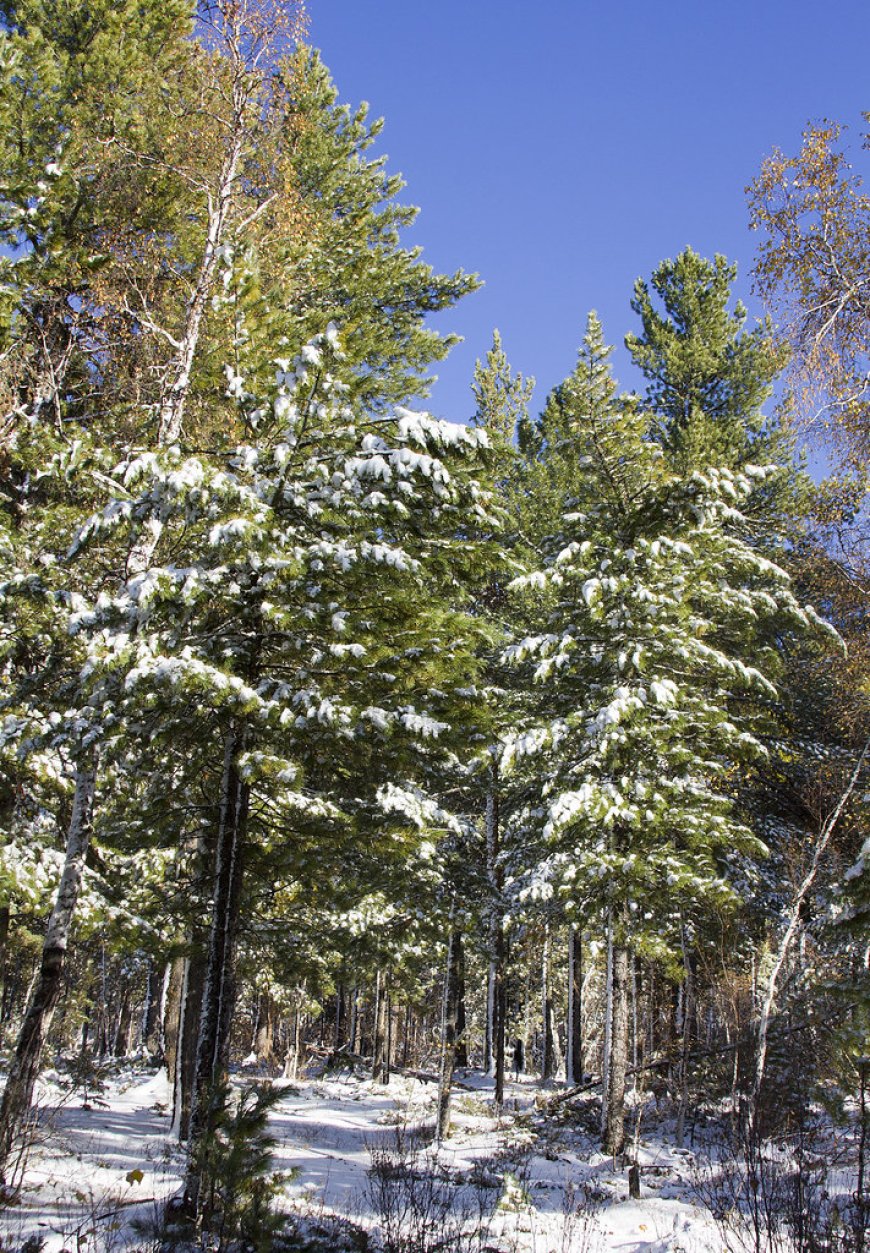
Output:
[[813, 216]]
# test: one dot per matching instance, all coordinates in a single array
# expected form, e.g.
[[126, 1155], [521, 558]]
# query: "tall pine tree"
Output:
[[650, 665]]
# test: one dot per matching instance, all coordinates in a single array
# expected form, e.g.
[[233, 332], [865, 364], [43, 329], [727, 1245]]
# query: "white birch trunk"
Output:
[[769, 992], [172, 406], [164, 996]]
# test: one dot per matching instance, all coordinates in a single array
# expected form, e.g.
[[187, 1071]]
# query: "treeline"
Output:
[[325, 724]]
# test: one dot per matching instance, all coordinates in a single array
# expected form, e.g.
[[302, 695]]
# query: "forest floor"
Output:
[[358, 1162]]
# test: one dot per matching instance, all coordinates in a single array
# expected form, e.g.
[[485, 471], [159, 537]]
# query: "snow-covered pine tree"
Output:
[[653, 675], [501, 409], [306, 625], [110, 339], [708, 377]]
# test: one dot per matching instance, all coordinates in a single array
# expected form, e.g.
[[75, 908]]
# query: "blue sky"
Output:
[[563, 149]]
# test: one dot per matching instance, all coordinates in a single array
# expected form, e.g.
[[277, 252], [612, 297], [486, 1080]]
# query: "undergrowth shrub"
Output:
[[792, 1194]]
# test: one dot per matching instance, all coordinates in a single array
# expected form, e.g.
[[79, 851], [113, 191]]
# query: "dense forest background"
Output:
[[330, 726]]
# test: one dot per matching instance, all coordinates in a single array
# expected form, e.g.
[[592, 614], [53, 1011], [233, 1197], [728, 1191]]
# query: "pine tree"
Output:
[[346, 261], [169, 257], [501, 409], [708, 376], [650, 665], [501, 401], [290, 630], [67, 169]]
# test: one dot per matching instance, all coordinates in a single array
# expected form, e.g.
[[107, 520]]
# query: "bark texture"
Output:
[[151, 1014], [574, 1052], [450, 1029], [219, 990], [614, 1125], [380, 1047]]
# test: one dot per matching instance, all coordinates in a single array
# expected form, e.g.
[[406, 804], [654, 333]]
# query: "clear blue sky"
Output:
[[561, 149]]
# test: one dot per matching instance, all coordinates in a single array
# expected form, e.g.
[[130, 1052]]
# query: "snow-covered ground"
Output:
[[533, 1183], [82, 1182]]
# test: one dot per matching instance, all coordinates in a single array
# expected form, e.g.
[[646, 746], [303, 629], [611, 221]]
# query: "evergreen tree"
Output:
[[296, 626], [650, 662], [166, 245], [68, 172], [708, 376], [501, 400], [346, 261], [501, 409]]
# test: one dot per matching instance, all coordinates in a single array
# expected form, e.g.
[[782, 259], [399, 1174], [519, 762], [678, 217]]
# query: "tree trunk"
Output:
[[291, 1061], [376, 1009], [461, 1019], [380, 1050], [489, 1036], [121, 1042], [219, 991], [263, 1043], [494, 922], [90, 1014], [172, 1014], [406, 1037], [18, 1094], [101, 1000], [190, 1013], [614, 1127], [574, 1025], [500, 1024], [339, 1038], [686, 1035], [450, 1029], [862, 1201], [608, 1021], [173, 402], [496, 991], [390, 1033], [151, 1013], [352, 1031], [4, 942], [547, 1048]]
